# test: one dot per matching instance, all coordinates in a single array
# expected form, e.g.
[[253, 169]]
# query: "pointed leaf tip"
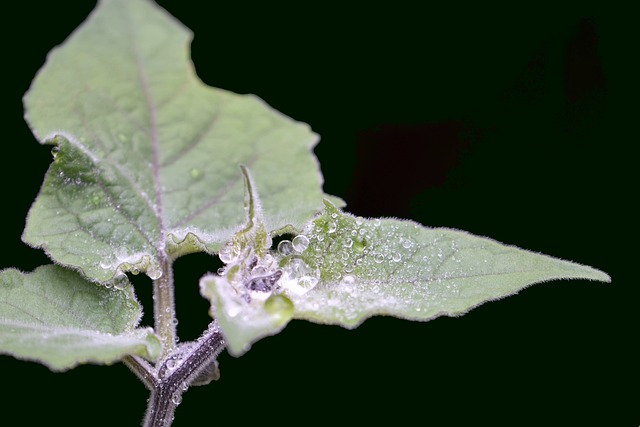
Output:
[[363, 267]]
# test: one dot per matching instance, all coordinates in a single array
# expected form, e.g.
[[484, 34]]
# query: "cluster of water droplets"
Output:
[[371, 265], [255, 278], [299, 276], [348, 249], [135, 264]]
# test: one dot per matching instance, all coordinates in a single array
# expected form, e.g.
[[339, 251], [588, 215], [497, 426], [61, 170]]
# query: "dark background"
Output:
[[510, 123]]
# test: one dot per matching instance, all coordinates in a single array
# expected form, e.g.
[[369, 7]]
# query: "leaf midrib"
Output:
[[153, 137]]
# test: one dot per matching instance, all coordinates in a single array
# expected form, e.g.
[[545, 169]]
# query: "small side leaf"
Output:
[[241, 297], [56, 317], [353, 268]]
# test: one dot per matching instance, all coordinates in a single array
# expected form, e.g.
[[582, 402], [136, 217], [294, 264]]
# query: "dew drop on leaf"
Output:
[[119, 282], [300, 243], [279, 305], [348, 279], [195, 173], [258, 270], [285, 247], [228, 254]]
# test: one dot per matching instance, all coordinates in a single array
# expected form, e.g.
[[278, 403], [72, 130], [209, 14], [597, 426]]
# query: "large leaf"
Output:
[[401, 268], [146, 156], [343, 269], [55, 317]]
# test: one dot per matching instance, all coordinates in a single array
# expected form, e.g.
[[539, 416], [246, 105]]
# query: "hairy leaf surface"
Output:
[[55, 317], [364, 267], [146, 155], [343, 269]]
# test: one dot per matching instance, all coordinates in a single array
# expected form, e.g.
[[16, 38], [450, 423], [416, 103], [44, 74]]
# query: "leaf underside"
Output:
[[56, 317], [146, 156]]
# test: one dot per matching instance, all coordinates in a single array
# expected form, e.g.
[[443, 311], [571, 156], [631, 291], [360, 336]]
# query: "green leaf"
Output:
[[343, 269], [241, 298], [146, 156], [55, 317], [354, 268]]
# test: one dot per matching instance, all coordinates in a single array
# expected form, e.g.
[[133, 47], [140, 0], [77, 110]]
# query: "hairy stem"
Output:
[[143, 370], [164, 312], [178, 372]]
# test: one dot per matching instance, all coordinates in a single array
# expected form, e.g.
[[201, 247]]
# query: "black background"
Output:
[[510, 123]]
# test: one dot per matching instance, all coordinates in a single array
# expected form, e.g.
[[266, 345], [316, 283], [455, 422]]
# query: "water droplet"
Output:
[[307, 283], [55, 150], [195, 173], [154, 272], [334, 215], [228, 254], [320, 237], [176, 398], [300, 243], [104, 264], [407, 243], [396, 257], [184, 386], [348, 280], [279, 306], [221, 271], [378, 258], [348, 243], [332, 227], [120, 282], [285, 247], [174, 321], [171, 363], [258, 270]]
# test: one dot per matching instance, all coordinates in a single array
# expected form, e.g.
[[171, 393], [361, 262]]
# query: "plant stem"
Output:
[[164, 312], [142, 369], [178, 372]]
